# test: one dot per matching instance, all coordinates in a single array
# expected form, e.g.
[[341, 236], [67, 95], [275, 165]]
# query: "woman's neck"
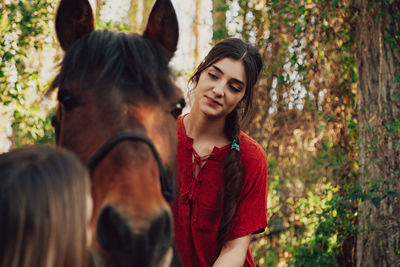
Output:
[[202, 128]]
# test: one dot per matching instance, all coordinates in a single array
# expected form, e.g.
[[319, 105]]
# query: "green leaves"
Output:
[[26, 30]]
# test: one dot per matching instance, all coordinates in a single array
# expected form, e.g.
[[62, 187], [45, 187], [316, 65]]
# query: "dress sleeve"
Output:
[[251, 215]]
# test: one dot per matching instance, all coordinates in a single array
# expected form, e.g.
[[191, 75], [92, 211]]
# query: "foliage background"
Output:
[[306, 110]]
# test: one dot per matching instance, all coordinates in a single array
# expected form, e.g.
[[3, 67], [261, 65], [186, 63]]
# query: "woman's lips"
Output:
[[212, 101]]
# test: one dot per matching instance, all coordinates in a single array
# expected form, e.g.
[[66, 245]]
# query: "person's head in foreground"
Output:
[[45, 208]]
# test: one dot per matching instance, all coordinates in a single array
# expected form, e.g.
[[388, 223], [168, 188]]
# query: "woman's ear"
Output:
[[240, 105]]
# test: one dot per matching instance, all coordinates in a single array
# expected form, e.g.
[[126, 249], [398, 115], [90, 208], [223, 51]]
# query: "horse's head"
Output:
[[110, 84]]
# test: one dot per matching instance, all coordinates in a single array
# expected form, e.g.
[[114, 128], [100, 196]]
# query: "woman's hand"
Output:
[[233, 253]]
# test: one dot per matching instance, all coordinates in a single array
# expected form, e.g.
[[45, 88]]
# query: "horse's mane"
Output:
[[128, 61]]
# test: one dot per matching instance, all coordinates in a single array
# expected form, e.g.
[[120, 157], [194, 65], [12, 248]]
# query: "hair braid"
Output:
[[232, 179]]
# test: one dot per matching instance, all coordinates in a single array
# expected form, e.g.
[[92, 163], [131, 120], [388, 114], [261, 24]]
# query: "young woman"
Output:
[[45, 208], [222, 180]]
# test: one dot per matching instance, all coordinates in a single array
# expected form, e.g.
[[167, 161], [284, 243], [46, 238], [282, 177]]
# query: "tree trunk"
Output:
[[196, 25], [147, 5], [244, 9], [135, 18], [219, 20], [378, 66], [99, 5]]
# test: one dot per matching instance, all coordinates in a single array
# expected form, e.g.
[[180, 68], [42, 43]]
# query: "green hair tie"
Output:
[[235, 145]]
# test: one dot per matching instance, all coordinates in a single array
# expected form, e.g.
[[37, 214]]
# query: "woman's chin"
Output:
[[212, 112]]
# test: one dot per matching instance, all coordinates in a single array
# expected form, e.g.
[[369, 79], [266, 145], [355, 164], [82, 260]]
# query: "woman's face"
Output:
[[220, 88]]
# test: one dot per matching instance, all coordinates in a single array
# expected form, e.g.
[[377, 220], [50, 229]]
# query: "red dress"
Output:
[[197, 207]]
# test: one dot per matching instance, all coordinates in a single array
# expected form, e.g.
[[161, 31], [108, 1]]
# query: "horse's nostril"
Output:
[[126, 245], [112, 230], [161, 231], [159, 236]]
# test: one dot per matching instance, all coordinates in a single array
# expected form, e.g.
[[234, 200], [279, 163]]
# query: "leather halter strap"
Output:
[[167, 189]]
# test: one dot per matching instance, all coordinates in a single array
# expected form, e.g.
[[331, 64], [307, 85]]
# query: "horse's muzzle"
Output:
[[127, 246]]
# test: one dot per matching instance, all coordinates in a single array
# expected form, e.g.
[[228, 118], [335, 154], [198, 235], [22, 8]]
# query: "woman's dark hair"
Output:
[[43, 198], [235, 49]]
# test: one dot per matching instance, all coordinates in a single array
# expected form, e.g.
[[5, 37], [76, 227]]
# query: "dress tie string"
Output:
[[190, 194]]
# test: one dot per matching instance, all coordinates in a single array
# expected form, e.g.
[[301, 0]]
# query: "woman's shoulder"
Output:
[[250, 149], [255, 164]]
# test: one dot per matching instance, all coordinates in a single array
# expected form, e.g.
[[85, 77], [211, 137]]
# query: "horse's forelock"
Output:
[[126, 61]]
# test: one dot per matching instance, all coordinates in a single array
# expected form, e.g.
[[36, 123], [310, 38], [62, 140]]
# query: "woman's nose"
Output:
[[219, 89]]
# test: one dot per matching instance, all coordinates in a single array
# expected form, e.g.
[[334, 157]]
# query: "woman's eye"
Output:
[[234, 89], [214, 77]]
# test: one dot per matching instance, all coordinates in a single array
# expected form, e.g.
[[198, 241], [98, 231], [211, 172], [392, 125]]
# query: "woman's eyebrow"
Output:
[[238, 81], [217, 69], [234, 79]]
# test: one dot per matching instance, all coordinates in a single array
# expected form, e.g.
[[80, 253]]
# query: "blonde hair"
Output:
[[43, 196]]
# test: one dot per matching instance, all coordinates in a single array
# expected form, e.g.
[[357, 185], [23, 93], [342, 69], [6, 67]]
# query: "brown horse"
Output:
[[116, 111]]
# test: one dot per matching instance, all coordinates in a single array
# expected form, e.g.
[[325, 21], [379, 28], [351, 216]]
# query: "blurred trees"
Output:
[[323, 161], [29, 53], [139, 11], [196, 25], [26, 44], [220, 7], [327, 113]]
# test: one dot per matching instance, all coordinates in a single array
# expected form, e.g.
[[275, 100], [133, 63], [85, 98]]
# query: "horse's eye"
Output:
[[69, 101], [176, 110]]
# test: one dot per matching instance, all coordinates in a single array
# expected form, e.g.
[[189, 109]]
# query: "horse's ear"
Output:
[[74, 20], [162, 26]]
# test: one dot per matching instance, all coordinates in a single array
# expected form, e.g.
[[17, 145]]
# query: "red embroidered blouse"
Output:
[[197, 207]]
